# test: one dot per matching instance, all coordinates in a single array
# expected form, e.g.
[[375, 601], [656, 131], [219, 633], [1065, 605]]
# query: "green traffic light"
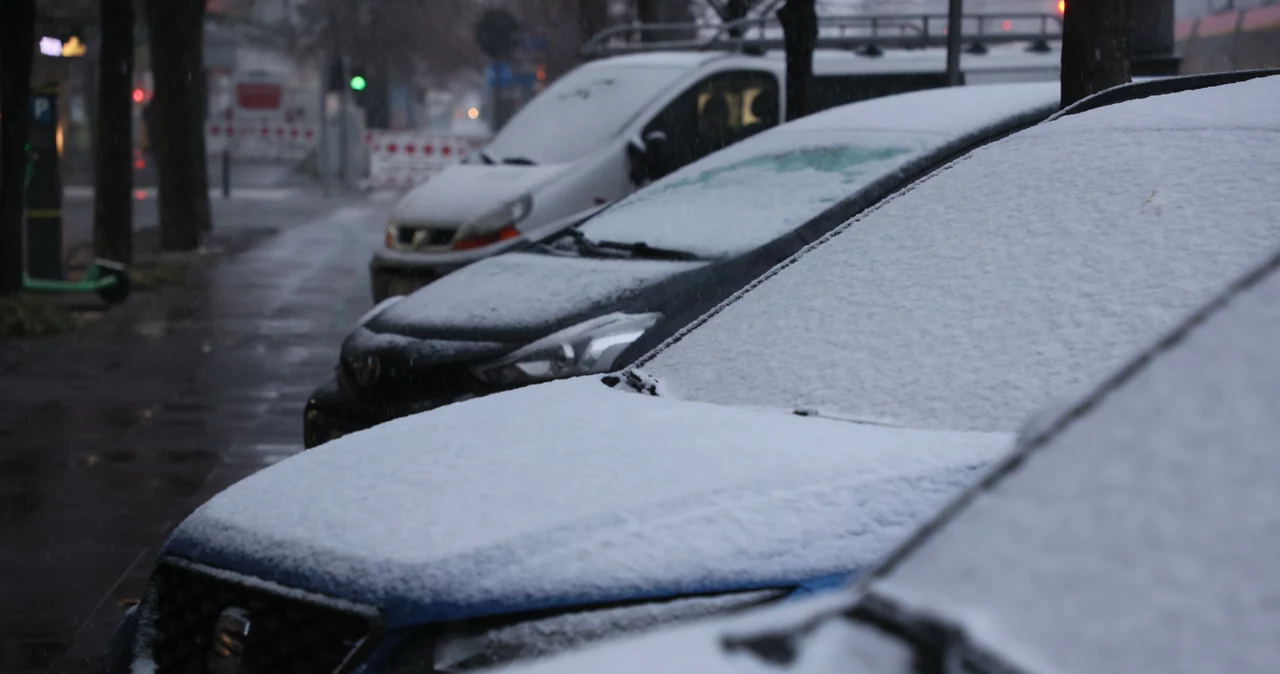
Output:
[[358, 83]]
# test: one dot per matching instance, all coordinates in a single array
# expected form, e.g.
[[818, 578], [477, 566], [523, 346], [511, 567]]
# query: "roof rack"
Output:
[[764, 33]]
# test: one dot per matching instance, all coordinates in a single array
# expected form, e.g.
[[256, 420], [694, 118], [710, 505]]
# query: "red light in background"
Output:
[[139, 164], [139, 95], [140, 195], [1007, 25], [1062, 6]]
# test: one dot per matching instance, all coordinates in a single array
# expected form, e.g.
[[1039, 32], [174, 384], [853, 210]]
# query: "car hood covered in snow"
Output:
[[571, 493], [522, 296], [464, 191]]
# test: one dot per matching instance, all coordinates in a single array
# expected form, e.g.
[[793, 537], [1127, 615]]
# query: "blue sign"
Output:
[[42, 109], [533, 43], [501, 74]]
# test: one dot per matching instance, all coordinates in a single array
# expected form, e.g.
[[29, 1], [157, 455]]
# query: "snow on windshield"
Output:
[[580, 111], [1143, 536], [745, 196], [1023, 270], [748, 194]]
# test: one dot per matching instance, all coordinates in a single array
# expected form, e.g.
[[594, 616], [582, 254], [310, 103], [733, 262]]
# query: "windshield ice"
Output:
[[997, 284], [582, 110], [744, 197]]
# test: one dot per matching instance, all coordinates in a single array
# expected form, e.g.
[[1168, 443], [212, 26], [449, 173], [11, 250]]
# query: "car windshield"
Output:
[[995, 285], [745, 196], [578, 113]]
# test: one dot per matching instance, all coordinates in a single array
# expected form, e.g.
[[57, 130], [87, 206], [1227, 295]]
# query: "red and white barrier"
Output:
[[407, 158], [261, 140]]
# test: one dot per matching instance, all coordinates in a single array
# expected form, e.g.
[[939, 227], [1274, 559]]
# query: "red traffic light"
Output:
[[139, 95]]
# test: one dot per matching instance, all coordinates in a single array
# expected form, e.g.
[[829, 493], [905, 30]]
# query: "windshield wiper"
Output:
[[643, 250], [486, 157], [940, 647], [518, 161], [639, 249]]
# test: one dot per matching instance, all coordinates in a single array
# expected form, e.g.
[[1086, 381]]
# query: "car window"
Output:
[[1021, 271], [748, 195], [580, 111], [714, 113]]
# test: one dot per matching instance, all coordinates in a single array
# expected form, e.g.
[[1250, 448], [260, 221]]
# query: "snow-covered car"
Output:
[[623, 279], [1133, 529], [612, 125], [787, 441]]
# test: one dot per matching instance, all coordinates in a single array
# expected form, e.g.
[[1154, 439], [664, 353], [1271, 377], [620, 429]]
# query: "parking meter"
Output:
[[44, 193]]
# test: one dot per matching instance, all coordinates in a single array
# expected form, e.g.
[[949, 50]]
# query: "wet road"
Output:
[[252, 184], [109, 439]]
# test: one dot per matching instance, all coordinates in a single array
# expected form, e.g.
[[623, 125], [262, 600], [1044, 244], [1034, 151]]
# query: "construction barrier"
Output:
[[407, 158], [261, 141]]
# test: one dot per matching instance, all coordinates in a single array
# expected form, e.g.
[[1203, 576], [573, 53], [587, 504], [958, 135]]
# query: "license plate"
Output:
[[403, 286]]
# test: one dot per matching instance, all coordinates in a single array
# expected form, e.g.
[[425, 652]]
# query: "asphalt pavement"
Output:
[[110, 438]]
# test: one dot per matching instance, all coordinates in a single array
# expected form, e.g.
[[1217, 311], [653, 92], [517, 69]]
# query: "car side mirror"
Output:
[[647, 157]]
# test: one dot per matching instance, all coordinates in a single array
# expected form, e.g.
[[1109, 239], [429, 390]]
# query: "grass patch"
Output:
[[158, 275], [35, 315]]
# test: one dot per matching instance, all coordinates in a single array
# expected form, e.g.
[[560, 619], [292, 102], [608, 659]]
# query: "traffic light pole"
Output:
[[343, 97]]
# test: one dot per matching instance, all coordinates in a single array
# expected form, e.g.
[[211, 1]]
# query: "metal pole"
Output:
[[955, 13], [227, 116], [322, 152], [226, 172]]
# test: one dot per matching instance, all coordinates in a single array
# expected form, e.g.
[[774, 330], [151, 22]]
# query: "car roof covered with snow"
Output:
[[1027, 268]]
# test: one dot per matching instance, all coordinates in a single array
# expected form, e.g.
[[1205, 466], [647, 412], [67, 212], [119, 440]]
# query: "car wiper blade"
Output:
[[639, 249], [940, 646], [518, 161], [487, 158], [644, 250]]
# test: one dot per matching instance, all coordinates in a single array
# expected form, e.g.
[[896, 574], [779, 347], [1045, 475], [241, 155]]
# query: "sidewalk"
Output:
[[109, 439]]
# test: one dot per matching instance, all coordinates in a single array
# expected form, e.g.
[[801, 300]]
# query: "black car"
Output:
[[620, 280]]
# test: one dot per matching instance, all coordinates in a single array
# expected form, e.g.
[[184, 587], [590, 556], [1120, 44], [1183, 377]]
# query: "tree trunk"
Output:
[[1095, 47], [664, 11], [593, 16], [176, 28], [799, 19], [17, 41], [113, 147]]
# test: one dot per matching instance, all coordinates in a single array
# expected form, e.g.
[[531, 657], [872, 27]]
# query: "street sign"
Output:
[[501, 74], [498, 33]]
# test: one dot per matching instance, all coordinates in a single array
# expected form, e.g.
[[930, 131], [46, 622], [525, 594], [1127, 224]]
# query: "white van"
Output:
[[614, 124]]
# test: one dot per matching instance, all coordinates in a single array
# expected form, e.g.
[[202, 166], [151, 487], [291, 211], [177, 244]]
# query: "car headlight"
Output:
[[494, 226], [393, 235], [589, 347]]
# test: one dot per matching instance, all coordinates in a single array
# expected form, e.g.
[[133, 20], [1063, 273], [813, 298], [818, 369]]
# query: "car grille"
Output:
[[296, 634], [401, 385]]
